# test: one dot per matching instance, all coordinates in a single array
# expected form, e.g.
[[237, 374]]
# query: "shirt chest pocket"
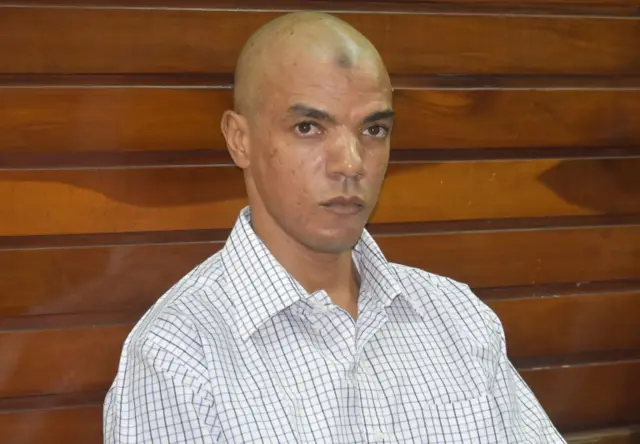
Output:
[[474, 420]]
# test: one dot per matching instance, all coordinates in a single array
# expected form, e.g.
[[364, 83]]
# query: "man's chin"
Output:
[[337, 242]]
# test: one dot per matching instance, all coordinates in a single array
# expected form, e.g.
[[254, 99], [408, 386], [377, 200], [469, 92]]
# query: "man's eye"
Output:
[[376, 131], [307, 128]]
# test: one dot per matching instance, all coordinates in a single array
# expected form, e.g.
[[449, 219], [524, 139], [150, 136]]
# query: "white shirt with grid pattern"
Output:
[[238, 352]]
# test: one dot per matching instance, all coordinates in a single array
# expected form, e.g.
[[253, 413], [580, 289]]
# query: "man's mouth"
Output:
[[344, 205]]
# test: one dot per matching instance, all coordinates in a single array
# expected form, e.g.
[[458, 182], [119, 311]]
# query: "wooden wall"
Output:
[[515, 168]]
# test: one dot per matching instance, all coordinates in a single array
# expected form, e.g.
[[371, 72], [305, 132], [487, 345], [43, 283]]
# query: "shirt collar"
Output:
[[261, 287]]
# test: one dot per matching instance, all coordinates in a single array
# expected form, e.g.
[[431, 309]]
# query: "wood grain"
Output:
[[568, 324], [77, 359], [618, 435], [400, 81], [494, 118], [613, 7], [588, 396], [185, 198], [97, 119], [94, 279], [74, 40], [131, 277], [55, 426], [108, 119], [512, 258]]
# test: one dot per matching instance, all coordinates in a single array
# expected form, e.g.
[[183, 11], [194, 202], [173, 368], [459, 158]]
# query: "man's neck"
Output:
[[334, 273]]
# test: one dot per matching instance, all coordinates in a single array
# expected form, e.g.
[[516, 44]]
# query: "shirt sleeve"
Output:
[[519, 412], [155, 398], [525, 417]]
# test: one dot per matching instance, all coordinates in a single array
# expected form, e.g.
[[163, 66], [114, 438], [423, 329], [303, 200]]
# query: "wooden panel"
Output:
[[588, 396], [37, 120], [516, 118], [58, 280], [75, 360], [621, 435], [496, 259], [101, 119], [73, 425], [58, 40], [570, 323], [74, 280], [612, 6], [112, 200]]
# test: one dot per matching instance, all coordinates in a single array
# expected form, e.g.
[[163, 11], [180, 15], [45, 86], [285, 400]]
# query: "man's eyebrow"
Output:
[[379, 115], [314, 113]]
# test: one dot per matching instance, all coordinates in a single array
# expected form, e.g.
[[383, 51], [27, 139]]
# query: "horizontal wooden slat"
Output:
[[554, 289], [588, 396], [38, 362], [576, 397], [400, 81], [99, 279], [511, 258], [53, 401], [107, 119], [72, 425], [620, 435], [131, 277], [516, 118], [58, 40], [614, 7], [567, 324], [94, 119], [70, 320], [150, 199]]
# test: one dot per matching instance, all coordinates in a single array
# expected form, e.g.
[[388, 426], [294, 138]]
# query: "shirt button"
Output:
[[379, 435]]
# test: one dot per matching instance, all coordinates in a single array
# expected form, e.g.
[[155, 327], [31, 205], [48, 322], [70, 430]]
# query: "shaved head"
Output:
[[310, 129], [294, 39]]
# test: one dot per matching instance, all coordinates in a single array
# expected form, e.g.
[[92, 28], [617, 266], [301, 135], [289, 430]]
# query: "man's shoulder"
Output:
[[182, 320], [444, 296]]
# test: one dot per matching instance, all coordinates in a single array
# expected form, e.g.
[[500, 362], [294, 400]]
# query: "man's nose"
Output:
[[345, 158]]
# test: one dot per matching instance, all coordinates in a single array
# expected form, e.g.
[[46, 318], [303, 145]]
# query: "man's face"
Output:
[[320, 148]]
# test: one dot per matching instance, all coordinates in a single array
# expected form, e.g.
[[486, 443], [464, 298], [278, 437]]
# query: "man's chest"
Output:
[[324, 380]]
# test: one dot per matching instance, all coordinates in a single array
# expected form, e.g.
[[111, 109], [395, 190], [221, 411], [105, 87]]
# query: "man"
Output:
[[299, 330]]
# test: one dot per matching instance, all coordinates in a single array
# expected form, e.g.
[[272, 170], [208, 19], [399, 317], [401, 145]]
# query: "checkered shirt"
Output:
[[239, 352]]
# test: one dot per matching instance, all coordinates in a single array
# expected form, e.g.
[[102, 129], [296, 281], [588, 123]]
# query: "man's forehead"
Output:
[[349, 100], [318, 81]]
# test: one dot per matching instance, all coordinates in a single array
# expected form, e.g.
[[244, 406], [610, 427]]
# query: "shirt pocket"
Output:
[[474, 420]]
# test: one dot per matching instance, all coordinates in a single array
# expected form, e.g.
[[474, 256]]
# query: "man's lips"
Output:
[[344, 205]]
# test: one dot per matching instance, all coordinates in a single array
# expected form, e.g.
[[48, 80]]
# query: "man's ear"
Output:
[[236, 133]]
